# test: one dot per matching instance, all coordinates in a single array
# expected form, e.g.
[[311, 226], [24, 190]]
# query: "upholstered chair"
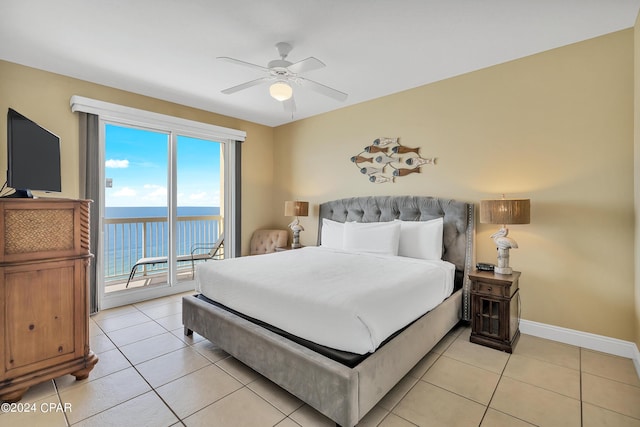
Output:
[[266, 241]]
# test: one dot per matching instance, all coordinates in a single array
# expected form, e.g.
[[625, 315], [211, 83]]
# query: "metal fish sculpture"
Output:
[[369, 170], [386, 159], [375, 149], [383, 142], [400, 149], [379, 179], [419, 161], [405, 172], [361, 159]]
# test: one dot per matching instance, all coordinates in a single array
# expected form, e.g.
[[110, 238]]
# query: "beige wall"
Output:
[[636, 116], [44, 97], [556, 127]]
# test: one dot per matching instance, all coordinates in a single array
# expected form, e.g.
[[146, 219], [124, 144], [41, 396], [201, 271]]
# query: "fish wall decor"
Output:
[[394, 160]]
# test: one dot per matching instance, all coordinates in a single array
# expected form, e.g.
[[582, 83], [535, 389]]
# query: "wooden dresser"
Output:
[[44, 260]]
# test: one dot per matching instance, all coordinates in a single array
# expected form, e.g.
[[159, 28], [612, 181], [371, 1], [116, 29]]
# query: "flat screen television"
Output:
[[33, 160]]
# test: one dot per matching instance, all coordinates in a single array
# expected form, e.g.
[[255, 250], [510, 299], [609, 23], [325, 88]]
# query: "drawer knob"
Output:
[[489, 288]]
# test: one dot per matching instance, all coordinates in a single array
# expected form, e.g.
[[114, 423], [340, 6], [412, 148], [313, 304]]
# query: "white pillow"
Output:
[[332, 235], [373, 237], [421, 239]]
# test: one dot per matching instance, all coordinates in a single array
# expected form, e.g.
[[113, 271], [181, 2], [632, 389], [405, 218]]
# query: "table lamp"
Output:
[[504, 211], [296, 208]]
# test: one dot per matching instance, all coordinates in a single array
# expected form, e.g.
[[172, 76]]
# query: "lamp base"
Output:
[[503, 270], [296, 240], [503, 262]]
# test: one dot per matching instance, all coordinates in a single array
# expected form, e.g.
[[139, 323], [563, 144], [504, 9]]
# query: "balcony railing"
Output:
[[126, 240]]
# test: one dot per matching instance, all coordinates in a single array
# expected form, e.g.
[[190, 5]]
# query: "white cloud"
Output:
[[125, 192], [198, 197], [156, 192], [117, 164]]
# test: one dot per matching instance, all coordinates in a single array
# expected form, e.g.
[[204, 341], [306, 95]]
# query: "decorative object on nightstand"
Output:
[[504, 211], [297, 209], [495, 309]]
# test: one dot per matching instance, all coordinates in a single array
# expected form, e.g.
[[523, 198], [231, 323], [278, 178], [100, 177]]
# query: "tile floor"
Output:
[[150, 374]]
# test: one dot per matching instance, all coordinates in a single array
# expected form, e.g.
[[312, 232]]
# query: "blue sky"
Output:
[[136, 160]]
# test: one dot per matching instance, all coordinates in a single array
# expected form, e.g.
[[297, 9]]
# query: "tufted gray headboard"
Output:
[[458, 217]]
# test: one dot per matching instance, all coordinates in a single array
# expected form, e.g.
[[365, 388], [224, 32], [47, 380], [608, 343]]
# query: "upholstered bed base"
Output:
[[343, 394]]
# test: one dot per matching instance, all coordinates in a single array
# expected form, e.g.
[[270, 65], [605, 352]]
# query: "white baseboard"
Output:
[[583, 339]]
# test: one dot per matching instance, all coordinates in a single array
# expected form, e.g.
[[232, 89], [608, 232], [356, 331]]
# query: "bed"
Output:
[[345, 389]]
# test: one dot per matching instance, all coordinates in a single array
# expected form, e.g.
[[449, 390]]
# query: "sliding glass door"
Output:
[[162, 205], [136, 215], [199, 191]]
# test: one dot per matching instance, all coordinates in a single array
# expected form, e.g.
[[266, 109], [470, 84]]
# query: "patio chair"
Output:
[[199, 251]]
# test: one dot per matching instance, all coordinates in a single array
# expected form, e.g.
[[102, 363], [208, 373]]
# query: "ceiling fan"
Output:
[[282, 74]]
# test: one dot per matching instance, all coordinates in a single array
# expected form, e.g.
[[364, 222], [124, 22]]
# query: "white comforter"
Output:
[[343, 300]]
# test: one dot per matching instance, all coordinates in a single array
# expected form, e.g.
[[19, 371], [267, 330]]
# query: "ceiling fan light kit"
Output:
[[281, 91], [282, 75]]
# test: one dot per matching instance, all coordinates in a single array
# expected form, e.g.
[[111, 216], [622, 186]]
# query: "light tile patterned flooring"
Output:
[[150, 374]]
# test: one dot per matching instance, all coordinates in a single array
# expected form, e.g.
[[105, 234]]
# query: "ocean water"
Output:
[[125, 243], [158, 211]]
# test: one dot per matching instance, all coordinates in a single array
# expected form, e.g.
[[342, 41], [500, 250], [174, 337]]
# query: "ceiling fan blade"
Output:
[[306, 65], [246, 64], [246, 85], [320, 88], [289, 105]]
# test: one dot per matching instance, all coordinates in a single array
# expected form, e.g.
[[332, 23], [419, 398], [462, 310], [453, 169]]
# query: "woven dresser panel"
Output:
[[36, 230]]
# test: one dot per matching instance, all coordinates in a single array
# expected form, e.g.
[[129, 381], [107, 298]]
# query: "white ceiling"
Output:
[[167, 49]]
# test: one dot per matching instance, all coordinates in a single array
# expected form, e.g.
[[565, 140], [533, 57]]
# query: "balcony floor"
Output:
[[148, 280]]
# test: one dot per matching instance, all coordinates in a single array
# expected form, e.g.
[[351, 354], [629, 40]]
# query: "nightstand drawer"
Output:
[[491, 289]]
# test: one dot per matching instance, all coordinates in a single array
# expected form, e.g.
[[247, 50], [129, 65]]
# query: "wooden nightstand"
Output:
[[495, 314]]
